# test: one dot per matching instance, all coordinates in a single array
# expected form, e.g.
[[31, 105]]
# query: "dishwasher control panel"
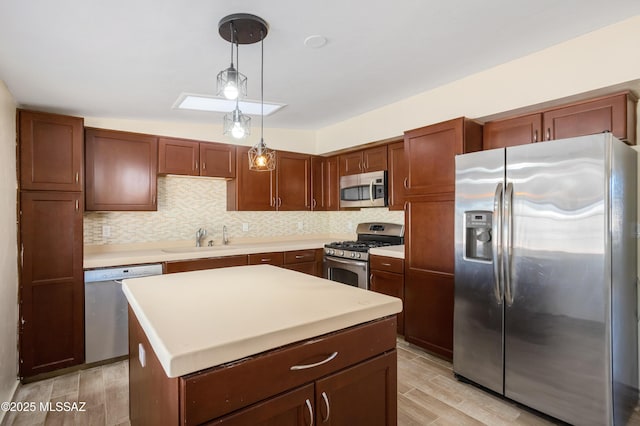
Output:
[[122, 272]]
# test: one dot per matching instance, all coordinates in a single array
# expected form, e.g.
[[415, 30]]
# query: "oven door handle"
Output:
[[361, 263]]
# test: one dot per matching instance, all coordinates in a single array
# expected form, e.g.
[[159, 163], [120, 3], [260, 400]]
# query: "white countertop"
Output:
[[389, 251], [158, 254], [196, 320]]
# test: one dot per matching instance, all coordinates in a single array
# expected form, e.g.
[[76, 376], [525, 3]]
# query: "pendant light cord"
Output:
[[261, 87]]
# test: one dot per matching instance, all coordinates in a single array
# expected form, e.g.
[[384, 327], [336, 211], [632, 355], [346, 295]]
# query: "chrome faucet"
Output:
[[225, 236], [200, 234]]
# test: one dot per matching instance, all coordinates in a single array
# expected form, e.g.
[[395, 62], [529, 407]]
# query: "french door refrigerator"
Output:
[[545, 276]]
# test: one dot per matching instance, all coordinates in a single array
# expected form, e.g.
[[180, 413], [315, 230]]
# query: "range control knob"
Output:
[[341, 253], [353, 255], [331, 251], [359, 255]]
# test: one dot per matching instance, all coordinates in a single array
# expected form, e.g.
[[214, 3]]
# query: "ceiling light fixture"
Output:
[[231, 84], [244, 28]]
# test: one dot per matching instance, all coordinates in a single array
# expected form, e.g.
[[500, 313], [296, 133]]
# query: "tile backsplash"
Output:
[[188, 203]]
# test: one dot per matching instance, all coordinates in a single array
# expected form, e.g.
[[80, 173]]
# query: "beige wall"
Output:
[[8, 247], [603, 58]]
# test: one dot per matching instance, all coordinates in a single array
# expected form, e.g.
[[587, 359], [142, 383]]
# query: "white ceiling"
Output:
[[133, 58]]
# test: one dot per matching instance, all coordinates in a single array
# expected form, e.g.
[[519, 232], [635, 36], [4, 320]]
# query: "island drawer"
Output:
[[215, 392], [274, 258], [300, 256], [384, 263]]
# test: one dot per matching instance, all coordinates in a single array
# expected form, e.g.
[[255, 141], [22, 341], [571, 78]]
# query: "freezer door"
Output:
[[477, 325], [557, 292]]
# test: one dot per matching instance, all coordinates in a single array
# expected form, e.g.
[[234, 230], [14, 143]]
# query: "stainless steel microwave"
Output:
[[364, 190]]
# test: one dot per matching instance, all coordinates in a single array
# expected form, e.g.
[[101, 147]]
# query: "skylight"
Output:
[[213, 104]]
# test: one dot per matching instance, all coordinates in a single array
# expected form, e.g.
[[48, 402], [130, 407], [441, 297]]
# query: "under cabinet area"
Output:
[[195, 158], [121, 170]]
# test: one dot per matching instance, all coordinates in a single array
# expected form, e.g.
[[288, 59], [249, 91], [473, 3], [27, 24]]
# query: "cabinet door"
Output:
[[51, 149], [317, 184], [391, 284], [375, 159], [293, 181], [178, 157], [274, 258], [351, 163], [397, 175], [207, 263], [217, 160], [331, 184], [294, 408], [430, 153], [121, 170], [512, 131], [250, 190], [615, 114], [51, 282], [361, 395]]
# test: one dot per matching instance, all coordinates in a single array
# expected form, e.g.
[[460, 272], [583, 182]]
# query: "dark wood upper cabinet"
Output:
[[293, 181], [430, 152], [250, 190], [512, 131], [324, 183], [363, 161], [217, 160], [178, 156], [615, 114], [121, 170], [51, 148], [317, 184], [397, 175], [51, 281]]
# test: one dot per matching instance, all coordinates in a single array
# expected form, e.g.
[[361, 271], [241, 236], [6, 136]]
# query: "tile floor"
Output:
[[428, 394]]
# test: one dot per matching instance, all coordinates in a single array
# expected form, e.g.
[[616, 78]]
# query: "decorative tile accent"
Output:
[[187, 203]]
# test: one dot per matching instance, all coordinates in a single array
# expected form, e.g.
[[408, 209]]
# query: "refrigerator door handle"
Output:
[[496, 243], [507, 243]]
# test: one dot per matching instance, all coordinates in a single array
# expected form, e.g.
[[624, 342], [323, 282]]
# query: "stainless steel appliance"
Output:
[[364, 190], [348, 261], [545, 276], [105, 310]]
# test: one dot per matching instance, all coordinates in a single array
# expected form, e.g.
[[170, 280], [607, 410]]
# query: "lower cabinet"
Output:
[[387, 277], [206, 263], [305, 261], [274, 258]]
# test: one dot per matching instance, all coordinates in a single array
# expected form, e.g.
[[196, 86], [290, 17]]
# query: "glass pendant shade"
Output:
[[237, 124], [261, 158], [231, 84]]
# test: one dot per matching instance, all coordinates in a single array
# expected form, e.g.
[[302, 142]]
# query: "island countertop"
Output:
[[196, 320]]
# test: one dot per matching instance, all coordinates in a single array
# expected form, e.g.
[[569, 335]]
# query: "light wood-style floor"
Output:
[[428, 394]]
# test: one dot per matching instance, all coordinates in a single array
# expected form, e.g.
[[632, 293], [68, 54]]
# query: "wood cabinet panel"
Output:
[[317, 184], [615, 114], [350, 163], [207, 263], [375, 159], [293, 181], [429, 311], [390, 283], [273, 258], [121, 170], [178, 157], [217, 160], [51, 282], [250, 191], [51, 151], [430, 154], [512, 131], [325, 184], [299, 256], [397, 175], [310, 268], [387, 264]]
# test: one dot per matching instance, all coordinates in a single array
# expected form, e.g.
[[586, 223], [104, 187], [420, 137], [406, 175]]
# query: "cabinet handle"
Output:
[[77, 205], [360, 165], [77, 177], [299, 256], [548, 134], [265, 260], [405, 183], [315, 364], [404, 206], [153, 199], [196, 163], [326, 404], [385, 264], [204, 166], [313, 203], [21, 256], [310, 409], [535, 136], [279, 202], [371, 278]]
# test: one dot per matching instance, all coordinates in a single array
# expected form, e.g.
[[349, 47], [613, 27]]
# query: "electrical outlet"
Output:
[[245, 227], [142, 355], [106, 231], [350, 226], [300, 226]]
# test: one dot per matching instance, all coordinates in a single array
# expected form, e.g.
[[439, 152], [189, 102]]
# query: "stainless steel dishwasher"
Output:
[[105, 310]]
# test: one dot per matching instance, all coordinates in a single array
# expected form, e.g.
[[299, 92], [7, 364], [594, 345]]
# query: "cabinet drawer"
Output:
[[389, 264], [208, 263], [300, 256], [220, 390], [275, 258]]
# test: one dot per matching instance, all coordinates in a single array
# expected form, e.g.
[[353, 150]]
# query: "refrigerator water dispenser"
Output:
[[478, 235]]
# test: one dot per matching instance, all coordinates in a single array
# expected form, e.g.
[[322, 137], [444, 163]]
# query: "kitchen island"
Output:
[[259, 344]]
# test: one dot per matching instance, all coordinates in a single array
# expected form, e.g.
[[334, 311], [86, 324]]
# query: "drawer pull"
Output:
[[308, 403], [265, 260], [385, 264], [326, 403], [299, 256], [316, 364]]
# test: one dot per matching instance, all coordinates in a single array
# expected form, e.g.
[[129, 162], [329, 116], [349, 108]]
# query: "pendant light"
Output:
[[261, 158], [231, 84], [235, 123]]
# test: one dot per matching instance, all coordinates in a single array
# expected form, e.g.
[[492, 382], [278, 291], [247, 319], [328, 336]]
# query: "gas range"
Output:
[[348, 261]]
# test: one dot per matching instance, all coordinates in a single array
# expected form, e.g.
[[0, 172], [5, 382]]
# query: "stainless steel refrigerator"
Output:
[[545, 276]]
